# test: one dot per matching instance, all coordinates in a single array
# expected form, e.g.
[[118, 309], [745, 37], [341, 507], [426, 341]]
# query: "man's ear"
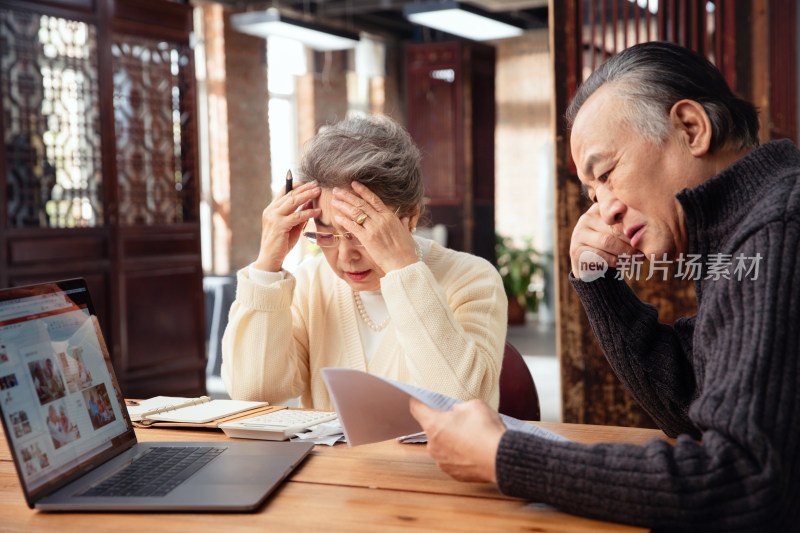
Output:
[[693, 125]]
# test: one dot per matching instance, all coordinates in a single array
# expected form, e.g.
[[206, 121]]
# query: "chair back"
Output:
[[518, 396]]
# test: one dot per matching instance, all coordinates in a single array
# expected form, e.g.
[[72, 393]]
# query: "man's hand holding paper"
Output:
[[464, 440]]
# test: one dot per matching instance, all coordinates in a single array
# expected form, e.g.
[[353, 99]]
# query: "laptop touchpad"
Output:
[[244, 469]]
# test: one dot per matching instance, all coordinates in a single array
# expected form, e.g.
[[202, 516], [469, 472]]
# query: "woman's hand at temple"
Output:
[[464, 440], [282, 222], [385, 236]]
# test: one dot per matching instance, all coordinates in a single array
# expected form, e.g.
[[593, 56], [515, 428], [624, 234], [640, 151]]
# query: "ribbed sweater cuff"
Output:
[[273, 297], [519, 466], [612, 301], [409, 271], [403, 284]]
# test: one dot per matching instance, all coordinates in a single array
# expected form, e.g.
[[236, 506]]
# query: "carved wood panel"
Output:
[[51, 121], [155, 178], [98, 174]]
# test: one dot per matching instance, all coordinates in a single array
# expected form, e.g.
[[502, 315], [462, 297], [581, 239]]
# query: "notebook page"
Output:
[[156, 402], [206, 412]]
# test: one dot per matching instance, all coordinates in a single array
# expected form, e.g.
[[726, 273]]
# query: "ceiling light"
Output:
[[271, 22], [461, 19]]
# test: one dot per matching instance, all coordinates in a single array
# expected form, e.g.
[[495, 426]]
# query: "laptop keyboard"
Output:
[[155, 473]]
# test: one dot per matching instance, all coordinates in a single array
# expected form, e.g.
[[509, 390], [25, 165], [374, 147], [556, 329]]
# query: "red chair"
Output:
[[518, 396]]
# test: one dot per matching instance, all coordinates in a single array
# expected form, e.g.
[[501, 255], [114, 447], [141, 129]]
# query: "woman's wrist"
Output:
[[401, 263], [267, 264]]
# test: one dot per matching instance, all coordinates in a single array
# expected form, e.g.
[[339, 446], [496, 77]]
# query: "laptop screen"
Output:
[[62, 407]]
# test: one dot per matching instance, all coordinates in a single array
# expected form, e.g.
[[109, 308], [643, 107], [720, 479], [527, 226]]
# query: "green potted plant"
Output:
[[522, 269]]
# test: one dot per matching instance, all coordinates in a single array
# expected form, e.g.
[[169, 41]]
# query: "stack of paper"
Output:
[[328, 433]]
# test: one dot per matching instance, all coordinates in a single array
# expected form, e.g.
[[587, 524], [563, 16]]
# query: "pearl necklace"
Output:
[[365, 317]]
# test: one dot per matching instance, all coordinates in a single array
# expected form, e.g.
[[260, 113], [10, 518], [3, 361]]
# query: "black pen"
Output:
[[288, 181]]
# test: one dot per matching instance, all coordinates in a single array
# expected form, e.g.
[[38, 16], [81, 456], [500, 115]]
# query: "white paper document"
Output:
[[328, 433], [372, 408]]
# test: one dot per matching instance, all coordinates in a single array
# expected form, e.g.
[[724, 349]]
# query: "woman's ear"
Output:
[[693, 126], [413, 219]]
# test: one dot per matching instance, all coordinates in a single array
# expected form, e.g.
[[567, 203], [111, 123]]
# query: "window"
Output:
[[286, 59]]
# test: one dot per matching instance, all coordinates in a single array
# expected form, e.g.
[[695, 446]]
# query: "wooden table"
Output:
[[385, 486]]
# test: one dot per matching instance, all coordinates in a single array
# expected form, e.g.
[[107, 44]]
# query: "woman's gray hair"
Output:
[[373, 150], [651, 77]]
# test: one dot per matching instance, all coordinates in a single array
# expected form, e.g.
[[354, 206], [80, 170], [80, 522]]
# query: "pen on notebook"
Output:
[[288, 181]]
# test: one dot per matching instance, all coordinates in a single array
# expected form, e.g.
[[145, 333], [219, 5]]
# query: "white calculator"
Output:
[[275, 425]]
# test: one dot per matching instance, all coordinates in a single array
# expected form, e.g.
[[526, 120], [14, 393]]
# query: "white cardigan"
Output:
[[446, 334]]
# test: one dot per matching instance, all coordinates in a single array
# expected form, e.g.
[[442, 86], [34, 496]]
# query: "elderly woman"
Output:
[[377, 299]]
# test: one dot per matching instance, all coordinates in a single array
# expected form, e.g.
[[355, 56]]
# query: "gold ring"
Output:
[[360, 219]]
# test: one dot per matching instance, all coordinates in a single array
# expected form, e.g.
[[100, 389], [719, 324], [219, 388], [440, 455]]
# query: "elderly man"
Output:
[[670, 158]]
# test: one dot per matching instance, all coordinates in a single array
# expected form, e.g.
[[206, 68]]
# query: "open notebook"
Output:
[[194, 412]]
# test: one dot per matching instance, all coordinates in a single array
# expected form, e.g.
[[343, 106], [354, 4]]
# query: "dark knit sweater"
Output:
[[729, 375]]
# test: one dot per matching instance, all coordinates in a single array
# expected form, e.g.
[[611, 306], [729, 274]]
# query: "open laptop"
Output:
[[67, 427]]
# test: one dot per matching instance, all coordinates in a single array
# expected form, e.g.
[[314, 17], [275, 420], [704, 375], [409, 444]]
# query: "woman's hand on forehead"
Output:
[[282, 222], [386, 237]]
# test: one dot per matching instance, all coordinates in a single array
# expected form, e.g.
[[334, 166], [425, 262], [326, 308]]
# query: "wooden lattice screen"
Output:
[[98, 174]]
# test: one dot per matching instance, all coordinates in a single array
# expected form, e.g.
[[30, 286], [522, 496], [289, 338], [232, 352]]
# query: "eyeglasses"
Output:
[[329, 240]]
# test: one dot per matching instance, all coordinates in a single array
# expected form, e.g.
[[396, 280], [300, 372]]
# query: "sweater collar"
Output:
[[713, 207]]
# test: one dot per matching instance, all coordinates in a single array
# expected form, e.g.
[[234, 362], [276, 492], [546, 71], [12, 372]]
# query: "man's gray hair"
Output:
[[651, 77], [373, 150]]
